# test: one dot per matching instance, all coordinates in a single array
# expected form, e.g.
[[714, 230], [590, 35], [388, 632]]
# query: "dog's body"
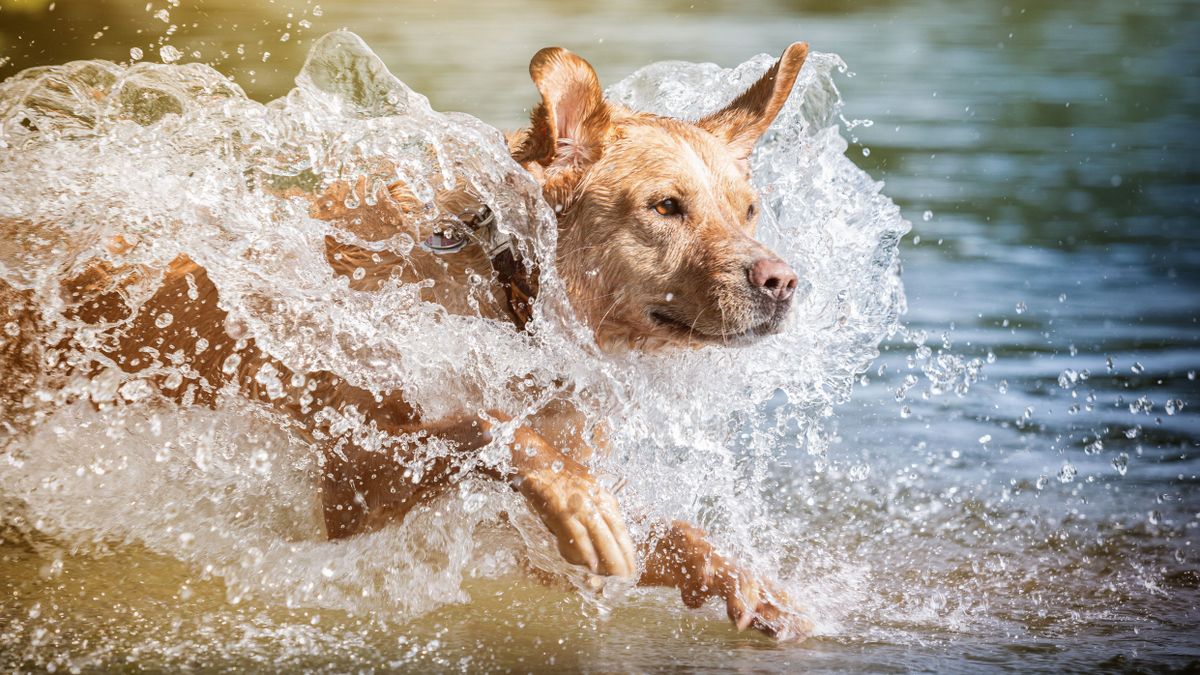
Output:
[[656, 218]]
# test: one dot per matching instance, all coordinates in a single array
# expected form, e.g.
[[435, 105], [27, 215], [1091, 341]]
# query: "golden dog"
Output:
[[648, 208]]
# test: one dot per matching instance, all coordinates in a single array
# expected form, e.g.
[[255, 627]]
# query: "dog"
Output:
[[648, 208]]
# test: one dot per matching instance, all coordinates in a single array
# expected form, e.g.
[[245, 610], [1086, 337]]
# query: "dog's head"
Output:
[[657, 215]]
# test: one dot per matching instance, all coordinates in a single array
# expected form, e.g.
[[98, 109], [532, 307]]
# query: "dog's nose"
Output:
[[773, 276]]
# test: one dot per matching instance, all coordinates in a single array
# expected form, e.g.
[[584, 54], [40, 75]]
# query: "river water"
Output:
[[1012, 483]]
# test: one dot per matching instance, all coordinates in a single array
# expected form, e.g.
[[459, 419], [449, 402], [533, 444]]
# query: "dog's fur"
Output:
[[656, 223]]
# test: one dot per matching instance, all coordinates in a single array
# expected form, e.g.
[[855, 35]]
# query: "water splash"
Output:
[[176, 159]]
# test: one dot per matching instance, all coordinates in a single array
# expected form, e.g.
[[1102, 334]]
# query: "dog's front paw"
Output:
[[751, 601], [754, 602], [582, 515]]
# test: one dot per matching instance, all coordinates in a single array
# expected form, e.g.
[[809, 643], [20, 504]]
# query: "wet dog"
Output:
[[648, 208]]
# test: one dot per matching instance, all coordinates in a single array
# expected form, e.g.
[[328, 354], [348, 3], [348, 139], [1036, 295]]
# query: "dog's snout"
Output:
[[773, 276]]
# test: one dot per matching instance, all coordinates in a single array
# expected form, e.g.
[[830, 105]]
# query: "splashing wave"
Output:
[[176, 159]]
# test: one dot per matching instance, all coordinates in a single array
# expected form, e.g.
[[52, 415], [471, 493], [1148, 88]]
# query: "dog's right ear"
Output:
[[569, 125]]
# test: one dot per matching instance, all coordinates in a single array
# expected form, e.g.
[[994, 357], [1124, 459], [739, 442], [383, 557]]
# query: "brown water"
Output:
[[1047, 156]]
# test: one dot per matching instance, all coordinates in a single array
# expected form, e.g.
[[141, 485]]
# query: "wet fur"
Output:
[[639, 279]]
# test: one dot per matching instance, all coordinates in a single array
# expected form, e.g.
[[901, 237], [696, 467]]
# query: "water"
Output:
[[1050, 185]]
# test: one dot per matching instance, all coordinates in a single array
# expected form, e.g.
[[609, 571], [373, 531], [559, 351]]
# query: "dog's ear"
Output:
[[568, 126], [745, 119]]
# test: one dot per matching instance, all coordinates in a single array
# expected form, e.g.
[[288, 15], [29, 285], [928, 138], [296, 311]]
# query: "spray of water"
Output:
[[176, 159]]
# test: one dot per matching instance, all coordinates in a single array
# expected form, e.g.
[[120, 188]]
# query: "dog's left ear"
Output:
[[747, 117], [568, 126]]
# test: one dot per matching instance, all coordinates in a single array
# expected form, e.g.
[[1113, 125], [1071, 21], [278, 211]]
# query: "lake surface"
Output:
[[1027, 501]]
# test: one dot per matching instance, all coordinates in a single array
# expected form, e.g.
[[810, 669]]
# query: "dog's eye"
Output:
[[668, 207], [750, 212]]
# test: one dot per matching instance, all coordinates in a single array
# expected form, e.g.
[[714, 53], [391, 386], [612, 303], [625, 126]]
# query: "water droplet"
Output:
[[927, 216], [1142, 405], [986, 438], [1062, 297], [1041, 482], [231, 364], [285, 37], [135, 54], [359, 273], [165, 319], [1154, 517], [1021, 307], [327, 572], [12, 328], [556, 465], [317, 11], [169, 54], [173, 380], [1121, 463], [1137, 368], [905, 412], [1067, 378], [1067, 473], [268, 377], [866, 152]]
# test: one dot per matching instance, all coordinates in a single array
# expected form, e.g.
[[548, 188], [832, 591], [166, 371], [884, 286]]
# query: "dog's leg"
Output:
[[363, 490], [683, 558], [583, 516]]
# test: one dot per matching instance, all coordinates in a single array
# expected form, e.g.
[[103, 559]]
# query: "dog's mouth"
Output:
[[687, 329]]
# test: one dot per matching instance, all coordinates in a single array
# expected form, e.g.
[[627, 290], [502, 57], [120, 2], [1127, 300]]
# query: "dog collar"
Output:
[[481, 226], [518, 283]]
